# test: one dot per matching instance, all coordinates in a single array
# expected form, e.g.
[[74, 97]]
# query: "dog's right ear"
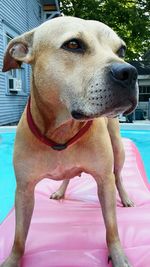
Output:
[[19, 50]]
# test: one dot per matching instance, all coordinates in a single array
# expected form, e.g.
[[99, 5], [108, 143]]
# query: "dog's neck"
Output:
[[54, 123]]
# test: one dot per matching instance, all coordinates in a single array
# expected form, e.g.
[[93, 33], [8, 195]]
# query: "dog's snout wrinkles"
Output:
[[124, 73]]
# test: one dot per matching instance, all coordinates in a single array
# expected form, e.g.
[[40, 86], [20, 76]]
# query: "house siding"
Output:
[[20, 16]]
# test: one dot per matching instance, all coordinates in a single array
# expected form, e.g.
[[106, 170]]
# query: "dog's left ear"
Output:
[[19, 50]]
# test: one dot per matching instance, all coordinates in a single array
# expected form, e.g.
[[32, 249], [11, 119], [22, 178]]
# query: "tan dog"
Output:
[[78, 75]]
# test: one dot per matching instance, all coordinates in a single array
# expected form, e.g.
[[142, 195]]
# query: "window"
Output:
[[144, 93], [15, 79]]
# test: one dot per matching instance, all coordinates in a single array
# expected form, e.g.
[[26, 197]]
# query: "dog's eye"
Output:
[[74, 45], [121, 51]]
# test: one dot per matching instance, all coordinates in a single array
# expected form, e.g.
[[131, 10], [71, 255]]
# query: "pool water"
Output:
[[7, 177], [142, 141]]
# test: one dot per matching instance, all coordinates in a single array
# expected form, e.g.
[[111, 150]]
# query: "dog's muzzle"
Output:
[[118, 93], [125, 76]]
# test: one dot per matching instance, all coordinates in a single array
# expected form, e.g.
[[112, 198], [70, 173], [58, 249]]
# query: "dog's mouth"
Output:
[[132, 107], [111, 112]]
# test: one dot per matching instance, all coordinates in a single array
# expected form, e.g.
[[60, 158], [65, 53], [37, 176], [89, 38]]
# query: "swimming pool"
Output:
[[7, 178], [142, 140]]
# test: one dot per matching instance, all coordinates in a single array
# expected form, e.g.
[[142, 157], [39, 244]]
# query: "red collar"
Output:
[[34, 129]]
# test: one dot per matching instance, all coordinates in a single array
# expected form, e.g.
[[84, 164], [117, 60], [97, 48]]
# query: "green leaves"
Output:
[[129, 18]]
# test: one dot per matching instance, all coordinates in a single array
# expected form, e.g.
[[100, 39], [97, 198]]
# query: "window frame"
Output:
[[144, 93]]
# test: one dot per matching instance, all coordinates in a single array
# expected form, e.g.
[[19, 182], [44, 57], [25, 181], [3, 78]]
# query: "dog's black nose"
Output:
[[124, 73], [77, 115]]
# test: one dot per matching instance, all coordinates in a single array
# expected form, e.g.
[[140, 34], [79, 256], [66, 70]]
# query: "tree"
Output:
[[129, 18]]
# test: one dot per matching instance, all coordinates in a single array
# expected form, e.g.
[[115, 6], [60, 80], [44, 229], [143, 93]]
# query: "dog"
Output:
[[80, 84]]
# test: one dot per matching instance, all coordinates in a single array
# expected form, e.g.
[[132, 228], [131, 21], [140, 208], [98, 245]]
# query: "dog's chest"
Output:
[[60, 165], [63, 167], [61, 172]]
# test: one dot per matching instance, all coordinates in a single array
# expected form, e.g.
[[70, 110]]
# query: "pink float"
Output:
[[71, 232]]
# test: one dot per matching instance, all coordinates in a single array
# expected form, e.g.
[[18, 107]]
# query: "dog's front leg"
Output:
[[107, 197], [60, 193], [24, 204]]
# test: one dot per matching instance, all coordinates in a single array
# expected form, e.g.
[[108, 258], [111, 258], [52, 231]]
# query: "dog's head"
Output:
[[79, 64]]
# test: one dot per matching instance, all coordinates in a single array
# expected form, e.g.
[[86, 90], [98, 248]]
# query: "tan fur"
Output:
[[62, 81]]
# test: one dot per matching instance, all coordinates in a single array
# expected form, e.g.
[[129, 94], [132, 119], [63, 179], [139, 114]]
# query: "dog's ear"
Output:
[[19, 50]]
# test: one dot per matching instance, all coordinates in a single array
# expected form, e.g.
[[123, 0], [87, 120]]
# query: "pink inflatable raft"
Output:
[[71, 232]]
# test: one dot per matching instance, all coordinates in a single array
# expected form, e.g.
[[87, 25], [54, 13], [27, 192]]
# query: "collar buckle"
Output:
[[59, 147]]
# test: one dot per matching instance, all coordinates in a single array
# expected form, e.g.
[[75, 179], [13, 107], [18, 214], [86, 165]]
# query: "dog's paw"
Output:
[[120, 262], [10, 263], [127, 202], [57, 195], [118, 259], [125, 199]]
